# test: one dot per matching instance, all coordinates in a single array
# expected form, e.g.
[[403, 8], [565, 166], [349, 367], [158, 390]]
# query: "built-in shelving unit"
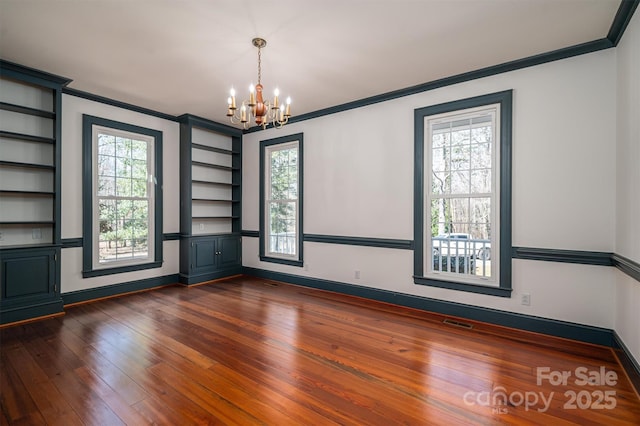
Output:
[[30, 127], [210, 160]]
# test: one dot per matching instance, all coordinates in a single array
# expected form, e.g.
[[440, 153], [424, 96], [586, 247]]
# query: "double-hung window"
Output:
[[122, 197], [281, 200], [463, 195]]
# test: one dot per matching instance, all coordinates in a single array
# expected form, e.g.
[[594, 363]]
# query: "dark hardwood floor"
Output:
[[250, 351]]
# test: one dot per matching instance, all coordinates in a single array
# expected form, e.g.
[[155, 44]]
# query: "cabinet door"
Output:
[[27, 276], [229, 251], [203, 255]]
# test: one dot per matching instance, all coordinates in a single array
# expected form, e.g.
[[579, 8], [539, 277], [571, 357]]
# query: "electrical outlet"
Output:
[[357, 274], [202, 226], [1, 236], [525, 299]]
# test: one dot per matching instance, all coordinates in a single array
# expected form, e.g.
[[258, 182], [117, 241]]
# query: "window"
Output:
[[122, 198], [463, 195], [281, 200]]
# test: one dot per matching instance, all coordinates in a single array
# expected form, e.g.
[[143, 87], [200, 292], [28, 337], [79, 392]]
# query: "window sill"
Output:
[[290, 262], [119, 269], [471, 288]]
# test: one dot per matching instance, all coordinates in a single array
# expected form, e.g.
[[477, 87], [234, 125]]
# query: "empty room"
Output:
[[357, 212]]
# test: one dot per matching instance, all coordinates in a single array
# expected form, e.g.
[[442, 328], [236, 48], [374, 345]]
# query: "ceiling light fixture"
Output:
[[263, 112]]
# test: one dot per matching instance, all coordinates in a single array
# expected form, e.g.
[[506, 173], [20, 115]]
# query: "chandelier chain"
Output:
[[259, 65]]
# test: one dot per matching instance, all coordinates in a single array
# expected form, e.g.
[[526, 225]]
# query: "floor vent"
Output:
[[270, 284], [458, 324]]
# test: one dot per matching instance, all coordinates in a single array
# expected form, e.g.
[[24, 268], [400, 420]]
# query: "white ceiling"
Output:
[[182, 56]]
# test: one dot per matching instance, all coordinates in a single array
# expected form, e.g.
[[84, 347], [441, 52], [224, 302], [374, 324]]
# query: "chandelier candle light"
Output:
[[262, 111]]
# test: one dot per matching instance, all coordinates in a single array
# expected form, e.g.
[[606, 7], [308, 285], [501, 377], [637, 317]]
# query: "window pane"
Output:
[[439, 140], [123, 147], [459, 211], [106, 185], [481, 134], [106, 165], [139, 188], [481, 181], [123, 187], [123, 167], [282, 227], [106, 144], [139, 150], [441, 159], [460, 137], [441, 183], [481, 156], [460, 157], [460, 182], [139, 169]]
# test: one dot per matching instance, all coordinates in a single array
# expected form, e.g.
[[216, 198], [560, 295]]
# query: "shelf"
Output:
[[213, 149], [207, 182], [211, 200], [29, 222], [29, 138], [26, 110], [30, 246], [213, 166], [14, 192], [26, 165], [197, 236], [214, 217]]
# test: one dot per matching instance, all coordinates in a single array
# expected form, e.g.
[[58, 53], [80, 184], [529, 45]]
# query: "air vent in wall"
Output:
[[458, 323]]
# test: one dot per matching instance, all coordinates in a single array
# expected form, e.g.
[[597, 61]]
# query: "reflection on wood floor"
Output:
[[251, 351]]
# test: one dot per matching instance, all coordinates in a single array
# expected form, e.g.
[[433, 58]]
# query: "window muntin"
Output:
[[281, 203], [123, 198], [462, 220]]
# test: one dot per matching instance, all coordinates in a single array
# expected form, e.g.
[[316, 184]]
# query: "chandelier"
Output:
[[256, 108]]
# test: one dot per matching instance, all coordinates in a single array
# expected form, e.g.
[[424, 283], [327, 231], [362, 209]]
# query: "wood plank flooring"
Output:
[[247, 351]]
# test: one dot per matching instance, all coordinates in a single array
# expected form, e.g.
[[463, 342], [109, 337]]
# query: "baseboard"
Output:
[[81, 296], [627, 361], [209, 276], [557, 328], [31, 312]]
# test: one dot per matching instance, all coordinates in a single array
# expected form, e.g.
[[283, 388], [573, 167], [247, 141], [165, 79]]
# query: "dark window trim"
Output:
[[297, 137], [88, 121], [505, 100]]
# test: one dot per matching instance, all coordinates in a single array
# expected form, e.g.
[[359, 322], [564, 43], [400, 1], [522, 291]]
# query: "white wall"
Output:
[[72, 109], [627, 320], [359, 182]]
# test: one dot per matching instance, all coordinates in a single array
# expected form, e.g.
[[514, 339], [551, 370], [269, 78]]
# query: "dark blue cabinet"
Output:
[[211, 257], [29, 287]]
